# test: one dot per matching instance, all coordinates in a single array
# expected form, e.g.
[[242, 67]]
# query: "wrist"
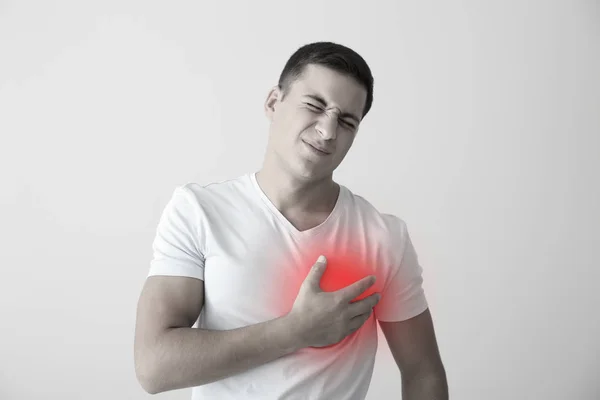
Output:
[[289, 328]]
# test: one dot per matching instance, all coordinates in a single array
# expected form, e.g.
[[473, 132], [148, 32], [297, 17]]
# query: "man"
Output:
[[240, 305]]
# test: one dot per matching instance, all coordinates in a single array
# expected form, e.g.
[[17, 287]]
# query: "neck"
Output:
[[291, 194]]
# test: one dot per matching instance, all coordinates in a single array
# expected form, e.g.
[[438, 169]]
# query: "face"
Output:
[[314, 125]]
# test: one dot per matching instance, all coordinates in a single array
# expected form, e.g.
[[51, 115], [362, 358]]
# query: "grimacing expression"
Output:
[[314, 124]]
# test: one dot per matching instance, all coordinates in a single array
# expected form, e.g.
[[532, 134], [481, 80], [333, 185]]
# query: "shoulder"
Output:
[[210, 195], [194, 207], [392, 225], [193, 204]]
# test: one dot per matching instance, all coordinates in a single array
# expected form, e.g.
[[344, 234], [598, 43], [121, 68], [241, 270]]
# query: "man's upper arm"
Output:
[[169, 302], [413, 344], [173, 294], [406, 320], [165, 302], [403, 296]]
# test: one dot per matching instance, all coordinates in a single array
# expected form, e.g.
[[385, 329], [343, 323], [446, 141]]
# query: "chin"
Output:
[[312, 174], [303, 169]]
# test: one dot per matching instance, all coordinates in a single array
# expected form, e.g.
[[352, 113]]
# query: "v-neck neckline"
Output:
[[289, 226]]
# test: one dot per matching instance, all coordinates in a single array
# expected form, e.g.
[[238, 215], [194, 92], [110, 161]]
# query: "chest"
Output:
[[254, 268]]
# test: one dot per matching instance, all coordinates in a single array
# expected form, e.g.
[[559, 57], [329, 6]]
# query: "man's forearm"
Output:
[[433, 386], [187, 357]]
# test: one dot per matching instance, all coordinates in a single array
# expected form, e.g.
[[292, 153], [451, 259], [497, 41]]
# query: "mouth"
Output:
[[317, 150]]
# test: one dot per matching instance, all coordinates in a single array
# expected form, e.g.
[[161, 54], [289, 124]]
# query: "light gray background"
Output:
[[484, 137]]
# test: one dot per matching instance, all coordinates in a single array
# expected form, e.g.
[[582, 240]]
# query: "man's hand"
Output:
[[321, 318]]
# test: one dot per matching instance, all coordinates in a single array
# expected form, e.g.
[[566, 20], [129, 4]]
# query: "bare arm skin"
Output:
[[414, 347], [169, 354]]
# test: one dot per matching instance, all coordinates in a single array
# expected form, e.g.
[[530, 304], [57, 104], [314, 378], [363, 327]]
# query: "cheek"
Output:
[[292, 124], [302, 119], [343, 145], [284, 129]]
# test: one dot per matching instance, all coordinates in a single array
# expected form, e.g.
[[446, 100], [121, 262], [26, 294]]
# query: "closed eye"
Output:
[[348, 124], [315, 108], [312, 107]]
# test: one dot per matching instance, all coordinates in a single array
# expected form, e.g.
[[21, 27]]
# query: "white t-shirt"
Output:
[[252, 261]]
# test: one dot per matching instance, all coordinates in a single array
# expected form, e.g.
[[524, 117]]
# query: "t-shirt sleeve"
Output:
[[177, 249], [403, 296]]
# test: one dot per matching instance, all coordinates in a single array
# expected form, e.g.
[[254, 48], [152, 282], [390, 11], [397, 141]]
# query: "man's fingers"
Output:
[[359, 320], [363, 306], [354, 290], [316, 272]]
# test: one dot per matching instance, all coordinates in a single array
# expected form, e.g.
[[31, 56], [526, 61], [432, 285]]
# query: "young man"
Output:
[[236, 304]]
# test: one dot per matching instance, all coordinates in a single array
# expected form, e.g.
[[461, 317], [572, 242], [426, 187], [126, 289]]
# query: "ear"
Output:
[[273, 98]]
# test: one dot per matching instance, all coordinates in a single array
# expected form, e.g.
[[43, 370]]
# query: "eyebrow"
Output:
[[321, 100]]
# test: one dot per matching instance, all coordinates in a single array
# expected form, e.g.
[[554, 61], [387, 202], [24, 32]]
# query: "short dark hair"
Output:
[[331, 55]]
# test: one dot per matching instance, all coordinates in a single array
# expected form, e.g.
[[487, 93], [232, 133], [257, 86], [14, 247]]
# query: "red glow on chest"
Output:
[[343, 270], [344, 267]]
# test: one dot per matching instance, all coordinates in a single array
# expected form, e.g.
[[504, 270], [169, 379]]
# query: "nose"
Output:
[[327, 126]]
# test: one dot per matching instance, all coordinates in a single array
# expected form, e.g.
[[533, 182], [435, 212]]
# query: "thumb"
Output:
[[316, 272]]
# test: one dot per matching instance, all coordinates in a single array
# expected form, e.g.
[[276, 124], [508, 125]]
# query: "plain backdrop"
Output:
[[483, 137]]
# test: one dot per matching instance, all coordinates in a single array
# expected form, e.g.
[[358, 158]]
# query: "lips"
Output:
[[321, 149]]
